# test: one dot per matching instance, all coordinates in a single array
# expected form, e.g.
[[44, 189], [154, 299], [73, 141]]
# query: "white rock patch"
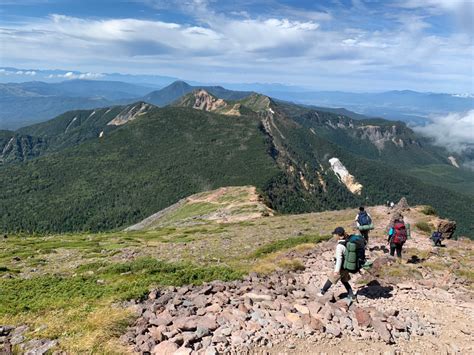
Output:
[[345, 177], [453, 161], [70, 123]]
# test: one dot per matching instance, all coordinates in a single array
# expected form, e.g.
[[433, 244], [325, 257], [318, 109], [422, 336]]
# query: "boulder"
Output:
[[447, 228], [333, 329], [302, 309], [183, 351], [165, 348], [314, 308], [258, 297], [362, 316], [381, 330]]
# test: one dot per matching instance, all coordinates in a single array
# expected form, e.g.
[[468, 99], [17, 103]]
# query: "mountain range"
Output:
[[31, 102], [107, 168]]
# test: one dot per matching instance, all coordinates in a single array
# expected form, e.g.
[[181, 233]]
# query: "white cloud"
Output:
[[71, 75], [454, 131], [18, 72], [244, 48]]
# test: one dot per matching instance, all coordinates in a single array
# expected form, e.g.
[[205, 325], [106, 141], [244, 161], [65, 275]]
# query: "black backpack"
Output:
[[364, 219], [437, 236]]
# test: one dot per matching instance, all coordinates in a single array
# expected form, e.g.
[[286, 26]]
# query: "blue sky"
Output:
[[350, 45]]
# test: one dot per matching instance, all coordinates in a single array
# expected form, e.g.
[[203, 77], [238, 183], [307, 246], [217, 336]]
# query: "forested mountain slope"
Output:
[[108, 168]]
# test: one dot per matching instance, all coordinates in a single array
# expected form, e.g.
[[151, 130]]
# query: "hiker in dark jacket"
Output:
[[397, 236], [437, 238], [363, 221], [339, 272]]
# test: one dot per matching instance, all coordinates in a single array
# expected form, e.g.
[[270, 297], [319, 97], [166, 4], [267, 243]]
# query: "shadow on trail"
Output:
[[381, 248], [375, 290]]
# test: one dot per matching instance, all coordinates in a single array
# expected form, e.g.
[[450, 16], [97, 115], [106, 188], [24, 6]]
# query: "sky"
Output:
[[347, 45]]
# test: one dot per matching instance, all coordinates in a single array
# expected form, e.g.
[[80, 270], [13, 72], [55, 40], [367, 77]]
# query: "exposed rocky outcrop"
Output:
[[206, 102], [453, 161], [379, 136], [402, 205], [345, 177], [130, 114], [447, 228]]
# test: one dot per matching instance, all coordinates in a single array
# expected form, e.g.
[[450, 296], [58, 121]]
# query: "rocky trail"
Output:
[[419, 305], [281, 312]]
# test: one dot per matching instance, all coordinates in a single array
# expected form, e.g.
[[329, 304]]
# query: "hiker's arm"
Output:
[[390, 234], [339, 256], [356, 219]]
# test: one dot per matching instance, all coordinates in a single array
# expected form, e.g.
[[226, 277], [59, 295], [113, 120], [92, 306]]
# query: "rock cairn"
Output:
[[263, 311]]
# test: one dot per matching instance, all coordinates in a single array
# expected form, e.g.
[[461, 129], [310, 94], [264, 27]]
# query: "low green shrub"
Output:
[[429, 210], [119, 281], [424, 227]]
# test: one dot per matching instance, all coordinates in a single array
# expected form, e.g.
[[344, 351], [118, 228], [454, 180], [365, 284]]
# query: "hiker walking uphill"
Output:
[[364, 223], [350, 256], [397, 236]]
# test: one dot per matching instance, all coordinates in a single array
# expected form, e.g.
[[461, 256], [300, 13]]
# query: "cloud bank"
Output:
[[455, 132]]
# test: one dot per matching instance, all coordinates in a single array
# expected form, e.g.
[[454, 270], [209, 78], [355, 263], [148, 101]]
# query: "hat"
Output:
[[339, 231]]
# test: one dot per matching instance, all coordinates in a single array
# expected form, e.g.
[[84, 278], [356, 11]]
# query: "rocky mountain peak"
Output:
[[203, 100]]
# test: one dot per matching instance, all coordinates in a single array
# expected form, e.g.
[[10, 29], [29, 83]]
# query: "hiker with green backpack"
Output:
[[350, 257]]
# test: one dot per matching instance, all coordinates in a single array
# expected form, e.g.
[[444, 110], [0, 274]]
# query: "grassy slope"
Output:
[[134, 171], [68, 284]]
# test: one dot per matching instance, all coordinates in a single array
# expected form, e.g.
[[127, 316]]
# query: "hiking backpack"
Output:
[[364, 219], [354, 257], [400, 233], [437, 235]]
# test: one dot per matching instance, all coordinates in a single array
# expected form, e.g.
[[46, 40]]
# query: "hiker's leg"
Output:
[[399, 250], [345, 277], [326, 286], [365, 234], [350, 292], [332, 279], [392, 249]]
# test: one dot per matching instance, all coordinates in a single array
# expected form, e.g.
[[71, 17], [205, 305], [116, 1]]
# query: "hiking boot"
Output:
[[349, 301]]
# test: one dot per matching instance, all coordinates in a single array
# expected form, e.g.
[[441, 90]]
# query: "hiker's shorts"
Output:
[[344, 276]]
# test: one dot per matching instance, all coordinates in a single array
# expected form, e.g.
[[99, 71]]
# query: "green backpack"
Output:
[[354, 258]]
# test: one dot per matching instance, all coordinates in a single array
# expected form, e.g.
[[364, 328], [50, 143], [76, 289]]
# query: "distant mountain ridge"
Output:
[[174, 91], [107, 168], [31, 102]]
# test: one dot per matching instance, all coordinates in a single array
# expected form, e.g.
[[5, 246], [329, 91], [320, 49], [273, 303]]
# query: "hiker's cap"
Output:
[[339, 231]]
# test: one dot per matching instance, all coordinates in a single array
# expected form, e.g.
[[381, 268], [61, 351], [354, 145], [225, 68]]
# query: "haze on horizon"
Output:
[[358, 45]]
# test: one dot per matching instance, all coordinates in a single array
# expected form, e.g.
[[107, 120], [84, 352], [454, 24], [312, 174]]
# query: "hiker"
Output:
[[350, 256], [397, 236], [364, 223], [437, 238], [392, 205]]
